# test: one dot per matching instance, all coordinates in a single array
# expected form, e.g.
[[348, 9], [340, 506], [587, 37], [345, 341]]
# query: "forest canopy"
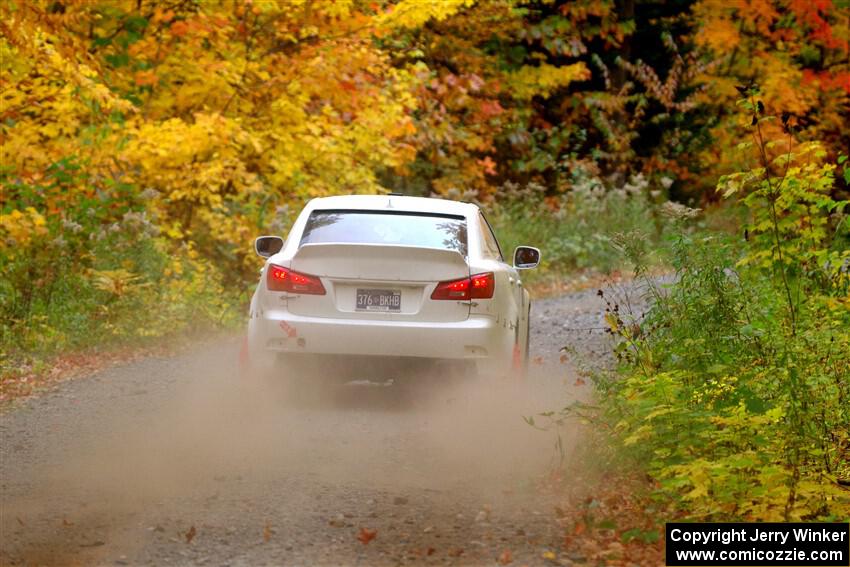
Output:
[[219, 114], [143, 144]]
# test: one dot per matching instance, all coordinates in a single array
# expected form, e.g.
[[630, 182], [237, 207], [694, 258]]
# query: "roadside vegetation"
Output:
[[580, 228], [734, 387], [144, 144]]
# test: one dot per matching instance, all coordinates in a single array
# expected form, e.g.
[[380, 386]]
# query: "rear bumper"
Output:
[[478, 337]]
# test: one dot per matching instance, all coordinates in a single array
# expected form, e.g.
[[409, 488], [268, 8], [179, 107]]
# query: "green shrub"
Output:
[[579, 228], [82, 269], [735, 388]]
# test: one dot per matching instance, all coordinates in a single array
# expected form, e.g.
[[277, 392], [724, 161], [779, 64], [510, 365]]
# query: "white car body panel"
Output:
[[487, 331], [346, 267]]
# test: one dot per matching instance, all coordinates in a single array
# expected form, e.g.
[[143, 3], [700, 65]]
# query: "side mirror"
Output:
[[526, 257], [266, 246]]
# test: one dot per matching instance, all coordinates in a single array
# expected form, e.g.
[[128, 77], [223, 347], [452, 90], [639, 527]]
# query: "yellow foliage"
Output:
[[722, 36], [783, 87], [18, 229], [544, 79], [236, 109], [414, 13]]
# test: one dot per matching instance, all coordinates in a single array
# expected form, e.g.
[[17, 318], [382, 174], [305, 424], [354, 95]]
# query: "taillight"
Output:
[[479, 286], [279, 278], [483, 285], [458, 289]]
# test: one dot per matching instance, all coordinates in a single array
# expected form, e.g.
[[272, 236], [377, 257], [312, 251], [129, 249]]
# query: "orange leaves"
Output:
[[721, 37], [179, 28], [366, 535], [791, 49], [145, 78], [488, 165], [579, 528], [760, 15], [160, 15]]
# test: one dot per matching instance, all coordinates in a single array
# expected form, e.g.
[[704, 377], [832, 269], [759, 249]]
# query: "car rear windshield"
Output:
[[386, 227]]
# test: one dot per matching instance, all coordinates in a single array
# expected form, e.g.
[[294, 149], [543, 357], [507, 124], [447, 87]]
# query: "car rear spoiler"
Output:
[[380, 262]]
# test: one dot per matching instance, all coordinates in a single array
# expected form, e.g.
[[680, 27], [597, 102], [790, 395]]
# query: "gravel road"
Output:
[[178, 460]]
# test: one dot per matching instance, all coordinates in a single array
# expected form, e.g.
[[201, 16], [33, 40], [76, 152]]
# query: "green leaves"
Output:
[[739, 415]]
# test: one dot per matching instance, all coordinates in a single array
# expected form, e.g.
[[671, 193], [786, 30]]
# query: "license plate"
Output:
[[378, 300]]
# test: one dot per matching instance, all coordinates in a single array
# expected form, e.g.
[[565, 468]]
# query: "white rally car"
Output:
[[388, 277]]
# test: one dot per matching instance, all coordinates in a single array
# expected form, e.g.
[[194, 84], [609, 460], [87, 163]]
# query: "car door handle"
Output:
[[510, 279]]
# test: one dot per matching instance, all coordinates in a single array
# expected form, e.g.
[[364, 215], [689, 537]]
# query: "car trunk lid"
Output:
[[379, 281]]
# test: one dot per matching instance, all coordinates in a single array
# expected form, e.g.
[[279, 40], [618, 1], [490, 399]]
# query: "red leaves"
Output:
[[579, 528], [349, 86], [366, 535], [811, 13], [490, 108], [828, 81]]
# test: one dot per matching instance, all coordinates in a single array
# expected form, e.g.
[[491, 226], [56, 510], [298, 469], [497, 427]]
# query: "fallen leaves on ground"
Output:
[[366, 535], [506, 557], [29, 378], [577, 282], [610, 524], [190, 535]]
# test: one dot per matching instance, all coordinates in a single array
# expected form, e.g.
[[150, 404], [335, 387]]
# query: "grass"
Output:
[[61, 304], [581, 233]]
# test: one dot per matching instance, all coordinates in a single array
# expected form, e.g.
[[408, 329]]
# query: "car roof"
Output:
[[394, 203]]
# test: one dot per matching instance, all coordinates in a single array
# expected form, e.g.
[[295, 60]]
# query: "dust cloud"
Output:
[[151, 449]]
